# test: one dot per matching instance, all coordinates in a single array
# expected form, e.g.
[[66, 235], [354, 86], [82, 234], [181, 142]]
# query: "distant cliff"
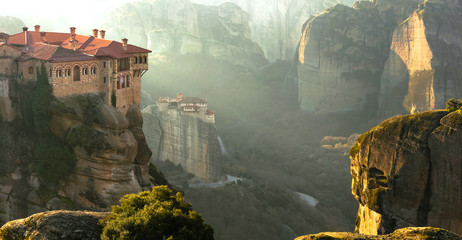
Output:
[[407, 172], [181, 27], [183, 139], [276, 24], [10, 24], [423, 68], [342, 52], [111, 155]]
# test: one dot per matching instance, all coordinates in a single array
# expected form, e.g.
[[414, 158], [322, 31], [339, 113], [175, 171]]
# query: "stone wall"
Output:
[[89, 83]]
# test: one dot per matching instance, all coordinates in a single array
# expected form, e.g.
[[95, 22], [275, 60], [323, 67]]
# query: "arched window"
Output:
[[85, 71], [122, 80], [76, 73], [140, 60], [128, 81], [118, 83], [51, 72], [31, 70], [59, 73], [93, 70]]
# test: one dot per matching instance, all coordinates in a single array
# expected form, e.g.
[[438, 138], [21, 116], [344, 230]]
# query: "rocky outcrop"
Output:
[[185, 140], [10, 24], [404, 233], [423, 68], [276, 24], [112, 156], [406, 172], [342, 52], [181, 27], [55, 225]]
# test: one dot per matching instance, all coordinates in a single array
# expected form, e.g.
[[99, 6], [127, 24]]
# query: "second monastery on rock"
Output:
[[77, 64]]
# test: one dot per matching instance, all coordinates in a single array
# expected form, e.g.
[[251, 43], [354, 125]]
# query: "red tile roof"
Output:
[[86, 45]]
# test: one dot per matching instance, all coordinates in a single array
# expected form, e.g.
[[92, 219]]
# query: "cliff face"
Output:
[[341, 55], [10, 25], [406, 172], [421, 72], [183, 139], [276, 24], [385, 56], [111, 152], [181, 27]]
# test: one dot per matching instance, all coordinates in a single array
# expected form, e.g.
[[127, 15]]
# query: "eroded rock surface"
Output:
[[421, 72], [55, 225], [404, 233], [342, 52], [183, 139], [181, 27], [406, 172]]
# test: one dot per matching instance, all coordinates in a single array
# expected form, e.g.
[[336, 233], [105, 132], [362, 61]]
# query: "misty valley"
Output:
[[233, 119]]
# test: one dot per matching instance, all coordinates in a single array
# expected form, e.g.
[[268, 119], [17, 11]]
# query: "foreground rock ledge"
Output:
[[404, 233], [55, 225]]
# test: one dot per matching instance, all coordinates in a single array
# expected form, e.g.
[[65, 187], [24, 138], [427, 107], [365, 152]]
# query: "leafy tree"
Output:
[[453, 105], [158, 214]]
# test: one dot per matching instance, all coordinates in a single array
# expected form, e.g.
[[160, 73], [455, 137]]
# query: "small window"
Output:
[[104, 64], [59, 73], [140, 60], [122, 80], [145, 59], [67, 72], [31, 70], [85, 71], [118, 83], [128, 81], [104, 80], [93, 70], [136, 60], [76, 73], [51, 72]]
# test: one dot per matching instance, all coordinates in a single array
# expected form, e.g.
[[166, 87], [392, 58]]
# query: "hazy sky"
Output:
[[57, 14]]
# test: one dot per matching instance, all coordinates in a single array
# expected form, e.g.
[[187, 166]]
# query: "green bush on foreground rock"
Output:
[[158, 214]]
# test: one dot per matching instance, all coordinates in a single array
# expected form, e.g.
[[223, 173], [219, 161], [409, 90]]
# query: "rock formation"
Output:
[[55, 225], [183, 139], [181, 27], [406, 172], [404, 233], [10, 24], [342, 52], [384, 56], [276, 24], [111, 152], [423, 68]]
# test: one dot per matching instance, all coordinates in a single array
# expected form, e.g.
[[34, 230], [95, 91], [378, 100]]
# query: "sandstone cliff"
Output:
[[342, 52], [55, 225], [182, 27], [276, 24], [406, 172], [183, 139], [112, 157], [423, 68], [404, 233], [10, 24]]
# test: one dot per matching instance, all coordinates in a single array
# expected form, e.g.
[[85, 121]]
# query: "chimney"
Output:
[[72, 30], [42, 36], [124, 43], [37, 28], [73, 42], [24, 29], [95, 33], [102, 33]]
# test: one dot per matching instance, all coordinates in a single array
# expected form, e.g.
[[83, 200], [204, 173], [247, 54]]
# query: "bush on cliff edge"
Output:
[[158, 214]]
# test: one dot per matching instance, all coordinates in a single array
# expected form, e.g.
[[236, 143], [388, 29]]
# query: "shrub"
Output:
[[158, 214], [453, 105]]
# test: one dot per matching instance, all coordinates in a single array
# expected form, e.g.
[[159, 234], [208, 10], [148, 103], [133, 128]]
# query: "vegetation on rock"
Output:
[[54, 159], [453, 105], [158, 214]]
